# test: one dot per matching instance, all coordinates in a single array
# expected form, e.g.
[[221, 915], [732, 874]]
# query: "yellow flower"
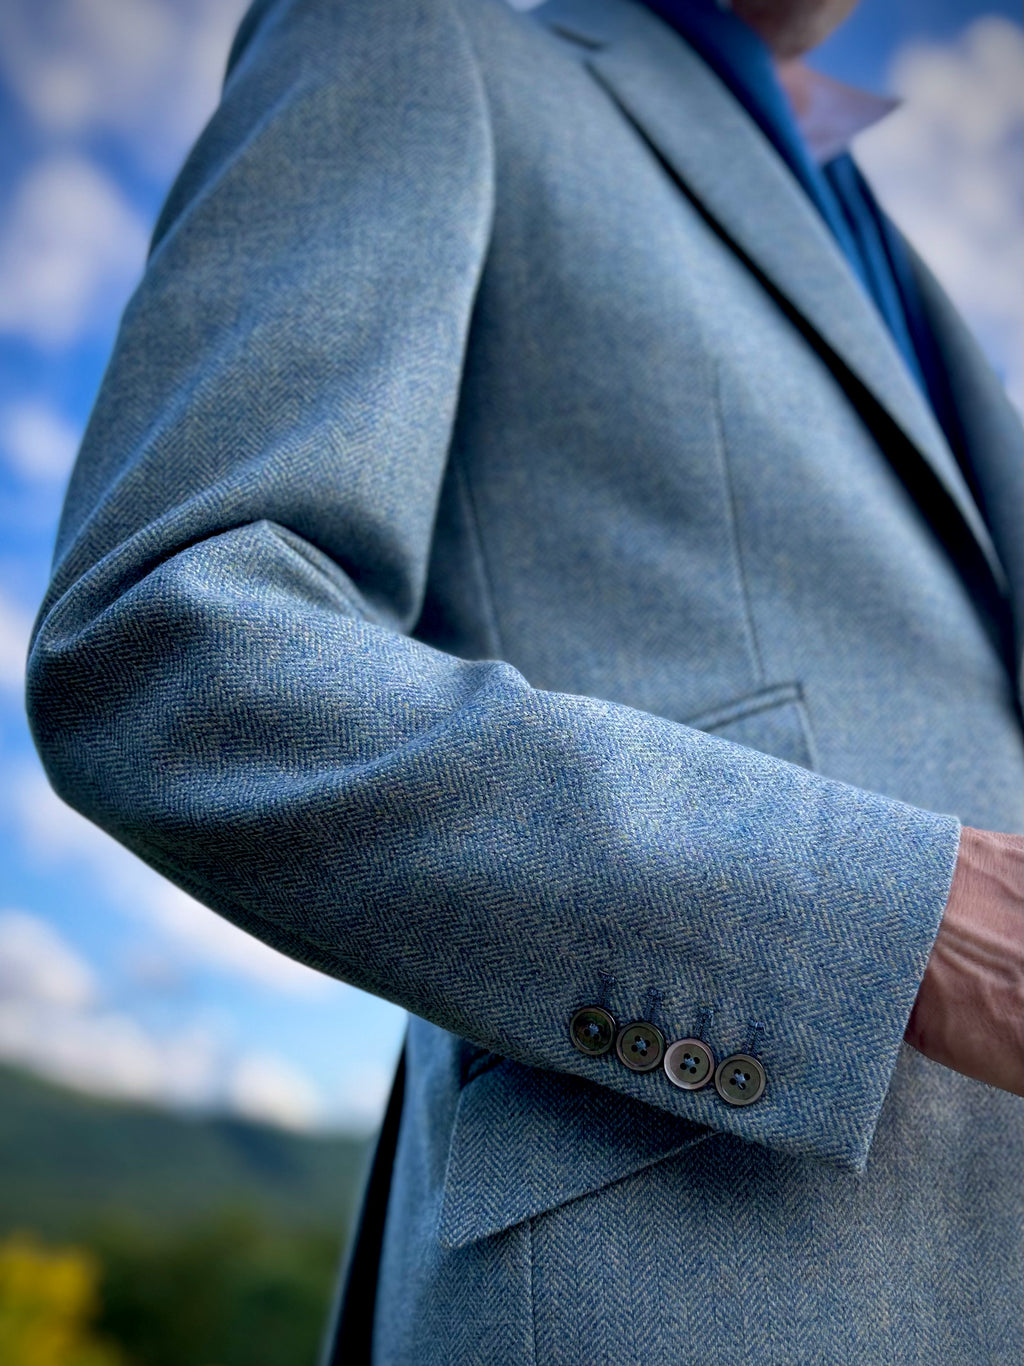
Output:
[[48, 1301]]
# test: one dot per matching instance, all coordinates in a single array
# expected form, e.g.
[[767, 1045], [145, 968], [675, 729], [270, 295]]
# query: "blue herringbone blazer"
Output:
[[510, 568]]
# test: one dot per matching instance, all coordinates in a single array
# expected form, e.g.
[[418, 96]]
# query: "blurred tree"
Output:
[[227, 1291]]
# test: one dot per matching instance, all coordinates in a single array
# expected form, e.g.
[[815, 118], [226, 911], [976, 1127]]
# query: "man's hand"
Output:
[[969, 1012]]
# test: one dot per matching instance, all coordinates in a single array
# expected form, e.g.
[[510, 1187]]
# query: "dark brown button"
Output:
[[740, 1079], [640, 1045], [689, 1063], [592, 1030]]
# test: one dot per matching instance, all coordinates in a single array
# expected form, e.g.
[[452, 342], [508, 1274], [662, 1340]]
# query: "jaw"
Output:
[[792, 27]]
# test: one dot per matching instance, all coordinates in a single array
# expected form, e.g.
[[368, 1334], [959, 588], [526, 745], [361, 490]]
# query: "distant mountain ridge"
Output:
[[69, 1160]]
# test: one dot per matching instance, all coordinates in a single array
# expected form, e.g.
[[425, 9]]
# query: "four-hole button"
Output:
[[739, 1079], [689, 1064], [641, 1046], [592, 1030]]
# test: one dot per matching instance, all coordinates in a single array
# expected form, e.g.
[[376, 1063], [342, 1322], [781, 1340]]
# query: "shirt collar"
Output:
[[828, 112], [806, 114]]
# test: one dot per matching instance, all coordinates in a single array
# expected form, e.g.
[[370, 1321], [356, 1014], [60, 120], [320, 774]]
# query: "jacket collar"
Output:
[[732, 171]]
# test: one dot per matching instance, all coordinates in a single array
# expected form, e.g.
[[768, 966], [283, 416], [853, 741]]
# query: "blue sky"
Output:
[[109, 976]]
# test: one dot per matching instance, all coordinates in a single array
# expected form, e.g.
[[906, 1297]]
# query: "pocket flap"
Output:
[[773, 720], [526, 1140]]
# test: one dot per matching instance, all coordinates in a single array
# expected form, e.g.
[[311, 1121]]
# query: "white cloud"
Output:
[[80, 63], [38, 442], [50, 828], [53, 1021], [70, 249], [206, 937], [265, 1087], [36, 962], [947, 166], [148, 71], [15, 628], [105, 1052]]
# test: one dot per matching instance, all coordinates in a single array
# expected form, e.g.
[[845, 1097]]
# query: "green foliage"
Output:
[[196, 1242], [227, 1291]]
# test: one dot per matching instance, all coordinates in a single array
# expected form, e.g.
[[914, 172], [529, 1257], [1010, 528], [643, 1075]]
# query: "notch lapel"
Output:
[[729, 167]]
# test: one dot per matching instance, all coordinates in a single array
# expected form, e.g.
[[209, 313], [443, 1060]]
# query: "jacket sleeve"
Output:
[[222, 673]]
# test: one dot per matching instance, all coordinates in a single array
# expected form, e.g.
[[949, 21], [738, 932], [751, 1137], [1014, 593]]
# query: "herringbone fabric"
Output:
[[509, 567]]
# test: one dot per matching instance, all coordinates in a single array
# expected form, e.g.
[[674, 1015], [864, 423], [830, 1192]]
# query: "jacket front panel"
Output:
[[662, 493]]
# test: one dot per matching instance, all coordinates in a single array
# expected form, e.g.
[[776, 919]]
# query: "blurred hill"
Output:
[[137, 1237], [68, 1160]]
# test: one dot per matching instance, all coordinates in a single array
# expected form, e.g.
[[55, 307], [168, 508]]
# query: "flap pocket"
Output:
[[773, 720], [526, 1140]]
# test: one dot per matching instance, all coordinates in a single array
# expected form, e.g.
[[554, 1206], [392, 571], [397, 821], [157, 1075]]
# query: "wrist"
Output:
[[969, 1011]]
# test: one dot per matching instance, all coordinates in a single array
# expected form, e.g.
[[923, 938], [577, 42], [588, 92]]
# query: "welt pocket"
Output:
[[774, 720]]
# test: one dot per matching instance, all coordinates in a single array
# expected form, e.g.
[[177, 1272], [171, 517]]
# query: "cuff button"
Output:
[[689, 1064], [592, 1030], [740, 1079], [641, 1046]]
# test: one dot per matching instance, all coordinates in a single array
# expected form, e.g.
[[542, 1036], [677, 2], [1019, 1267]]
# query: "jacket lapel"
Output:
[[992, 436], [735, 175]]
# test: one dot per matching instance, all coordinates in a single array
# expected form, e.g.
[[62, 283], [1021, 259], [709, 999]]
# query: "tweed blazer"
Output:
[[510, 568]]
